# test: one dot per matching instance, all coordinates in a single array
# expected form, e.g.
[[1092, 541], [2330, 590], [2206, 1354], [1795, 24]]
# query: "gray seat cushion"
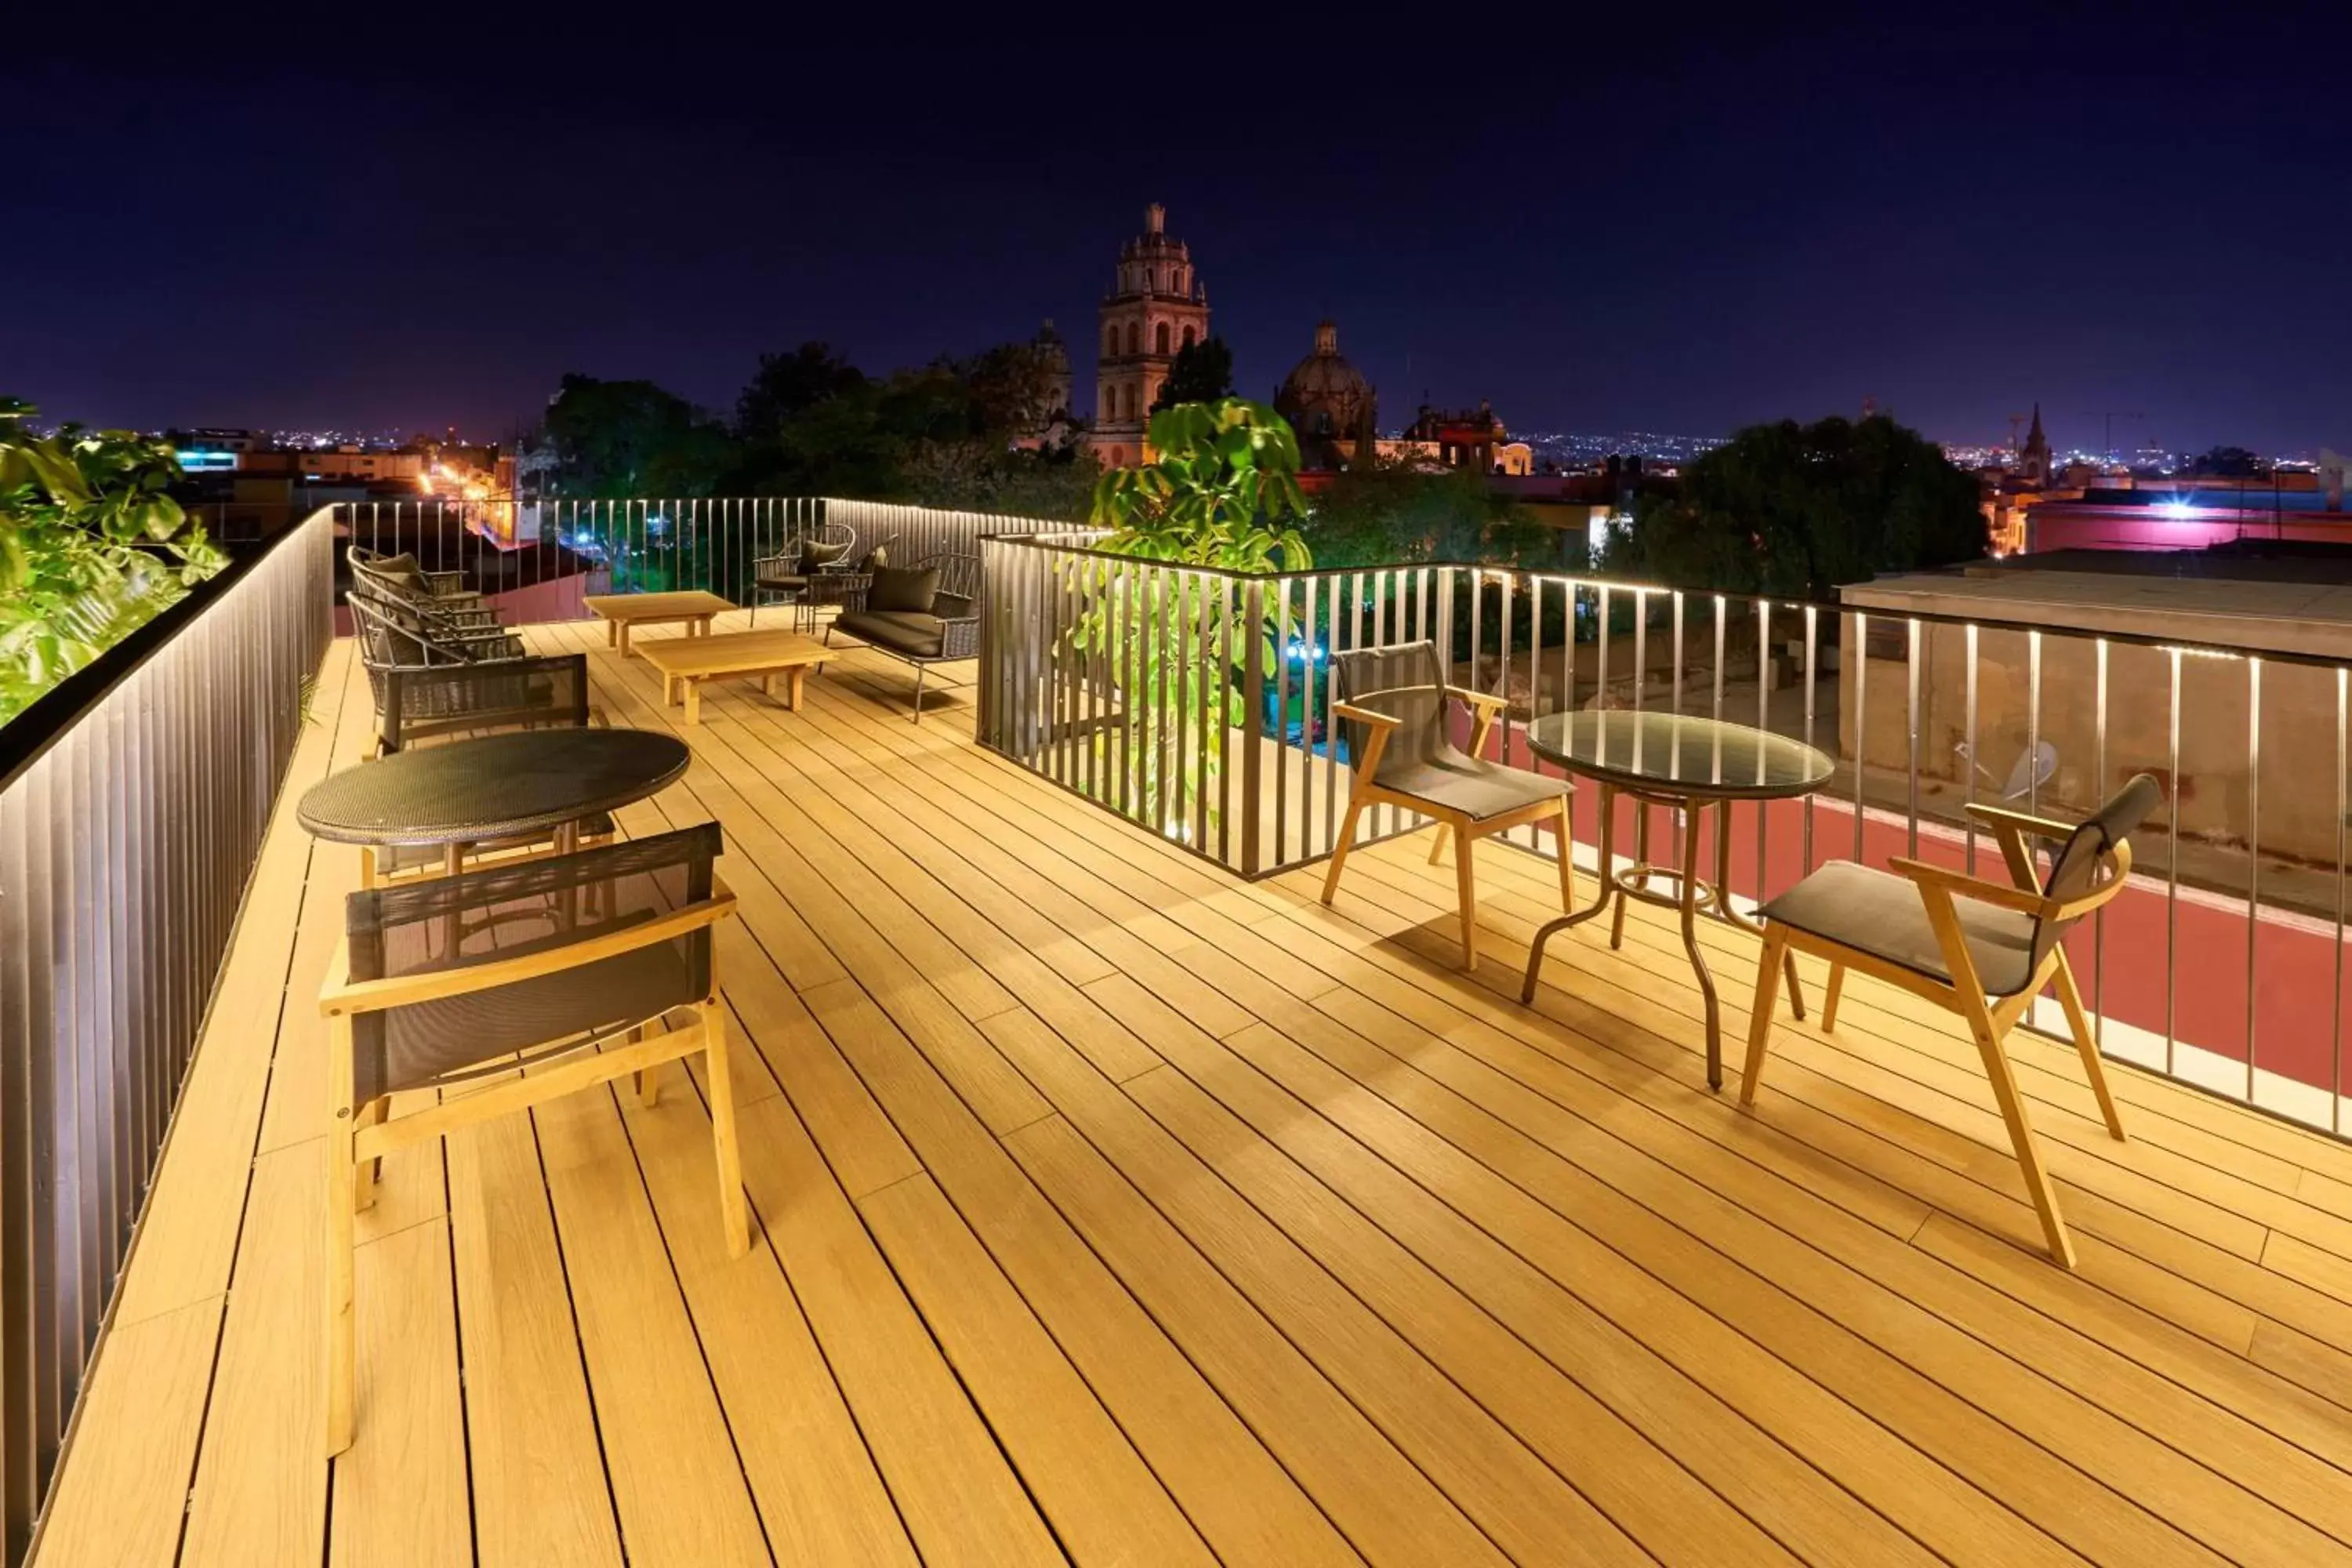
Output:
[[908, 632], [1882, 914], [1460, 781]]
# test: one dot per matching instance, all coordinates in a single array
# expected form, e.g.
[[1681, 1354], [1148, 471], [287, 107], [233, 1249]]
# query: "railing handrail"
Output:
[[1479, 570]]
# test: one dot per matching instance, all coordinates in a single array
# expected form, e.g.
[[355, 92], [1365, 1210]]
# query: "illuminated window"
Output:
[[1160, 338]]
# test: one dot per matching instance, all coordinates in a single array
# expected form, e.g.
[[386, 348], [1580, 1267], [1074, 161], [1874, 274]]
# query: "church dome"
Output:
[[1324, 396]]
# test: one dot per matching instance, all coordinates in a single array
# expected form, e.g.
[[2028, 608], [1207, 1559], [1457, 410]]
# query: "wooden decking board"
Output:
[[2192, 1259], [1114, 1209]]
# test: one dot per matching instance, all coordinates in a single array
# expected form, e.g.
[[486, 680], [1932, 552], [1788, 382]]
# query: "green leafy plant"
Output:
[[1223, 491], [91, 546]]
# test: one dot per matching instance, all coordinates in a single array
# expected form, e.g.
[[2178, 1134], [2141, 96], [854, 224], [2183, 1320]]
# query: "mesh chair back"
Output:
[[1404, 682], [2077, 862], [548, 692], [505, 911]]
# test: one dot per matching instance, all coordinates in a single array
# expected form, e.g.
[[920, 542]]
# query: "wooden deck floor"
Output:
[[1107, 1208]]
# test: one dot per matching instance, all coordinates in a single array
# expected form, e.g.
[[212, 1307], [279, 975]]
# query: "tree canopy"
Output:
[[1393, 511], [1795, 510], [1202, 373]]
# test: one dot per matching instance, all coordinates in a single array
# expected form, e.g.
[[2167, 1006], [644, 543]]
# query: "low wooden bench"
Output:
[[686, 662], [621, 613]]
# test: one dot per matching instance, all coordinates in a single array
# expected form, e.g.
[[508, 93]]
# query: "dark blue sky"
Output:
[[1598, 225]]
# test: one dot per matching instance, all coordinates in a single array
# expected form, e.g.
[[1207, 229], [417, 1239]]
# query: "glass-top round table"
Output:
[[1689, 763]]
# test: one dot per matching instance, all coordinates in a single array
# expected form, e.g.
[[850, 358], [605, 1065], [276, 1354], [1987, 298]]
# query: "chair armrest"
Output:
[[1365, 716], [2001, 817], [342, 995], [1959, 884], [1487, 700], [444, 584], [959, 638]]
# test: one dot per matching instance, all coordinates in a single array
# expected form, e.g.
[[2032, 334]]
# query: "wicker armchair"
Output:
[[786, 572], [401, 571], [944, 628], [392, 636], [582, 969]]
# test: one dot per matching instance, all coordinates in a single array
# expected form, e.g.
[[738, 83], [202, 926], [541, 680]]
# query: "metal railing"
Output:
[[539, 558], [1197, 702], [134, 801]]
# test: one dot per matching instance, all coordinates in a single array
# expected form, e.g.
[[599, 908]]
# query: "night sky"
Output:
[[1597, 227]]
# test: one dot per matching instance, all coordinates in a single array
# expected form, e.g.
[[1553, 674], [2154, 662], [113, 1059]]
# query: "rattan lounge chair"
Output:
[[568, 966], [784, 576], [1976, 947], [402, 571], [1392, 704], [926, 613]]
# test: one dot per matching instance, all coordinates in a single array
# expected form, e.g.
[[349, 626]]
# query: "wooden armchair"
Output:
[[1392, 704], [1982, 949], [459, 982]]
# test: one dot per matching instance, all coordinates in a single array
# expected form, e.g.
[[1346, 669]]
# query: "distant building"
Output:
[[1469, 439], [1156, 307], [1331, 408], [2033, 458]]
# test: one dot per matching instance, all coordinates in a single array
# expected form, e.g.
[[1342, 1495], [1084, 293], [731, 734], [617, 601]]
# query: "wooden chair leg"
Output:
[[342, 1171], [2086, 1045], [363, 1181], [1437, 845], [1759, 1020], [2020, 1132], [1339, 849], [733, 1220], [1468, 885], [1830, 1001]]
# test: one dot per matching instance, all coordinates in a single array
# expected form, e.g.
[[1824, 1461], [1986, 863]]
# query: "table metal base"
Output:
[[1693, 895]]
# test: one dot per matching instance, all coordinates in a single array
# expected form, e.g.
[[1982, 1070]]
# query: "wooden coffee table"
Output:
[[686, 662], [621, 612]]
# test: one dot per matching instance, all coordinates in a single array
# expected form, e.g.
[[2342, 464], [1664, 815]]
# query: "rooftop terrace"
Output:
[[1110, 1208]]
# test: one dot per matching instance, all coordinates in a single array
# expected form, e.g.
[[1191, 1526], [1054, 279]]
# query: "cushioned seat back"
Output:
[[2074, 871], [547, 691], [1405, 682]]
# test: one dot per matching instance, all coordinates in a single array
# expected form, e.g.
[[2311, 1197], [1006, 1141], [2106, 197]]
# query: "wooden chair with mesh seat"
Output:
[[433, 704], [1392, 704], [506, 986], [1979, 948]]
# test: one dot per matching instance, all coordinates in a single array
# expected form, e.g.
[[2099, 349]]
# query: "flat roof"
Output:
[[2283, 605]]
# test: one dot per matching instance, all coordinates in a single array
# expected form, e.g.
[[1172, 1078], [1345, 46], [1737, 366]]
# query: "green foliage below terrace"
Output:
[[91, 547]]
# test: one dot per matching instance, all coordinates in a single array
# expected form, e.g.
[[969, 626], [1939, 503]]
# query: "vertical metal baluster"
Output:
[[2253, 852], [1674, 697], [1535, 680], [2171, 873], [1167, 743], [2033, 722], [1715, 697], [1253, 727], [1125, 657], [1282, 719], [1763, 723], [2099, 916], [2335, 1014], [1861, 716], [1911, 723], [1331, 741], [1971, 724], [1813, 643], [1306, 665], [1203, 668], [1221, 725], [1372, 823]]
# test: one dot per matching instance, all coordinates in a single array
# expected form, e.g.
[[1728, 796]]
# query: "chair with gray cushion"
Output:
[[1979, 948], [580, 969], [1393, 708], [925, 613], [391, 636]]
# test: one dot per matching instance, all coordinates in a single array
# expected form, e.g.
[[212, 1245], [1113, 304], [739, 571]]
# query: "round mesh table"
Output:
[[1688, 763], [496, 786]]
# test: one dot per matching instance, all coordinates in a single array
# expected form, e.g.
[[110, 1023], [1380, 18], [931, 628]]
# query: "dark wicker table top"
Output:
[[1679, 754], [492, 787]]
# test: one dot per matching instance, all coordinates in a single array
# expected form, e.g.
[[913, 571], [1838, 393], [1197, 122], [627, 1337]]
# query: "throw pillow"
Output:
[[403, 569], [903, 588], [816, 555]]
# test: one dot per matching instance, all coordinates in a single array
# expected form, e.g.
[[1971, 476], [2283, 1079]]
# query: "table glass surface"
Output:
[[1679, 753], [492, 786]]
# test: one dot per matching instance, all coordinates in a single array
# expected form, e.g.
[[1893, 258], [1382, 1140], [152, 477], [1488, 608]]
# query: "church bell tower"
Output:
[[1156, 308]]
